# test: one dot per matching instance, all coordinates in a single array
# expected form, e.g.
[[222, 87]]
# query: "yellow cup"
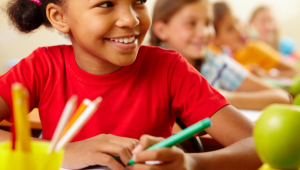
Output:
[[37, 159]]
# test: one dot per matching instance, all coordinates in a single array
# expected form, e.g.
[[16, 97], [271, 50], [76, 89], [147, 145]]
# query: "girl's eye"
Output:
[[106, 4], [192, 23], [141, 1]]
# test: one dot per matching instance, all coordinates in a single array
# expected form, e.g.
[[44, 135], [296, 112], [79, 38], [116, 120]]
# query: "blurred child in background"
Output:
[[263, 26], [187, 30], [254, 55]]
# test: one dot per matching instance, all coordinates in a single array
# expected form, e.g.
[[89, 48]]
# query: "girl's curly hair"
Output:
[[27, 16]]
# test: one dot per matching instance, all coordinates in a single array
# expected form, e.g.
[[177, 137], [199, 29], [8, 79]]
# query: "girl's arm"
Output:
[[229, 127], [255, 95], [256, 100], [286, 70], [4, 113], [252, 83]]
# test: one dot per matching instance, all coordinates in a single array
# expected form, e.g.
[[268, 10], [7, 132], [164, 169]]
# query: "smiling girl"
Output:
[[144, 88]]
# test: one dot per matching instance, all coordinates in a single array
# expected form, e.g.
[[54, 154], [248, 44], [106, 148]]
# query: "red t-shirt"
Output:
[[142, 98]]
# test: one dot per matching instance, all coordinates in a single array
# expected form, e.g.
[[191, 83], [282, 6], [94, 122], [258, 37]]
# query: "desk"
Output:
[[33, 117], [96, 168], [206, 139]]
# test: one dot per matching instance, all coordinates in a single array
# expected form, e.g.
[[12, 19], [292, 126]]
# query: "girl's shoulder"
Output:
[[51, 55], [52, 51]]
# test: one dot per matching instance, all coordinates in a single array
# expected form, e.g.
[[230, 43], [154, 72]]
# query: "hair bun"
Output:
[[25, 15]]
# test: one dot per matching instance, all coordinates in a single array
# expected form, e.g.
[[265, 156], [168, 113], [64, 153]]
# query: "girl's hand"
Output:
[[170, 158], [98, 150]]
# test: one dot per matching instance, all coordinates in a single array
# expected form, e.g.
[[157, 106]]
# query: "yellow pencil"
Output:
[[21, 123]]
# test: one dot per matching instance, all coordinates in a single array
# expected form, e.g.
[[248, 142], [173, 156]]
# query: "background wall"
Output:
[[14, 45]]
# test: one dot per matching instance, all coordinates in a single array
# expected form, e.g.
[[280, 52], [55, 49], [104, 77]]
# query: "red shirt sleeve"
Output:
[[193, 98], [30, 72]]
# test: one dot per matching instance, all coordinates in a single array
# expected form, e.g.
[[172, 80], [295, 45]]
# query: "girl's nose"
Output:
[[127, 19], [201, 31]]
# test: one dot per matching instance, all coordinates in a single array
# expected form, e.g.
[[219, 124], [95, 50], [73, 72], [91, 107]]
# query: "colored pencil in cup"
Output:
[[78, 112], [21, 124], [78, 124], [65, 117]]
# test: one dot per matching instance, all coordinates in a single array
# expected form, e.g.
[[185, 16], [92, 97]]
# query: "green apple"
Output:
[[297, 100], [298, 65], [295, 87], [277, 136]]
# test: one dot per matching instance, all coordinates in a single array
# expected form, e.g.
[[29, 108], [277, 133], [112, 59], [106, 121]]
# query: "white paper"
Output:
[[253, 115]]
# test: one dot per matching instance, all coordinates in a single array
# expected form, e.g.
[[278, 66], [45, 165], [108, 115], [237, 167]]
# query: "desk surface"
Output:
[[33, 117], [96, 168], [36, 124]]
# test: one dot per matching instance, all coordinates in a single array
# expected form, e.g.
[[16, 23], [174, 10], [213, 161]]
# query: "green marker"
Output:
[[180, 137]]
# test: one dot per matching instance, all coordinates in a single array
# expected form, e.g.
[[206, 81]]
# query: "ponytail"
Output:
[[27, 15]]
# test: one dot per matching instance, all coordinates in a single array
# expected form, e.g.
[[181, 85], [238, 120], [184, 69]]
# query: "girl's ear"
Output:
[[55, 15], [160, 29]]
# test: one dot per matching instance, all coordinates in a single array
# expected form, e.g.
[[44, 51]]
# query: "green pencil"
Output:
[[180, 137]]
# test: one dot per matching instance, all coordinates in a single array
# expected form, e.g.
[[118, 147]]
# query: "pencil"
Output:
[[180, 136], [21, 123], [66, 114], [78, 112], [78, 124]]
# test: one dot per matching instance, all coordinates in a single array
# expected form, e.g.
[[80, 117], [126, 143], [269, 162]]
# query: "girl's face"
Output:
[[265, 24], [108, 31], [229, 33], [187, 30]]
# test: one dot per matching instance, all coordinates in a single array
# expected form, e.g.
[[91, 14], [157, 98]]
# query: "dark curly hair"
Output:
[[27, 16]]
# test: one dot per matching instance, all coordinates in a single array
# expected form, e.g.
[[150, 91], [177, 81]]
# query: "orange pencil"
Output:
[[78, 124], [65, 117], [78, 112]]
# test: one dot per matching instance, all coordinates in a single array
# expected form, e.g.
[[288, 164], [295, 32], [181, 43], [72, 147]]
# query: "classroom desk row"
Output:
[[206, 140]]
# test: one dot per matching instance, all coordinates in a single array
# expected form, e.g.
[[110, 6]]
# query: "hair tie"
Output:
[[37, 2]]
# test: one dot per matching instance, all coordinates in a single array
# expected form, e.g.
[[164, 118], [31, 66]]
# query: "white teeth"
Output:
[[124, 40], [131, 39]]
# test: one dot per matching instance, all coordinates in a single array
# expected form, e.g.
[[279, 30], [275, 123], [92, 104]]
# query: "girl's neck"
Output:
[[94, 65], [193, 62]]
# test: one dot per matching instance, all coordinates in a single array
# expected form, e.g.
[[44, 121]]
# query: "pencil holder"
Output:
[[37, 159]]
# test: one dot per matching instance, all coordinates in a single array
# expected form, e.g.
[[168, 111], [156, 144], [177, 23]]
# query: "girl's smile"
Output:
[[124, 42], [106, 35]]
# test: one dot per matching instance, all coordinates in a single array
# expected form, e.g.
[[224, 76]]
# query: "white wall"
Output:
[[14, 45]]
